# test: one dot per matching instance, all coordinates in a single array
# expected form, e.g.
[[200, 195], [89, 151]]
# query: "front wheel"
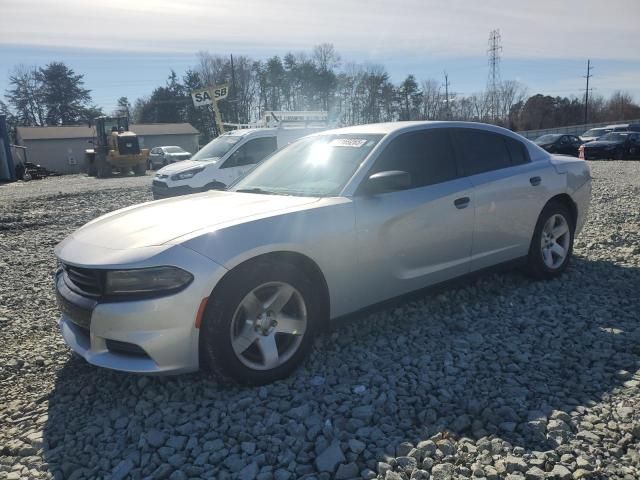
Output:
[[552, 243], [260, 323]]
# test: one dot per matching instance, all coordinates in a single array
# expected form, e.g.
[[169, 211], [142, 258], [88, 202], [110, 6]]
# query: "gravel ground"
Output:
[[501, 377]]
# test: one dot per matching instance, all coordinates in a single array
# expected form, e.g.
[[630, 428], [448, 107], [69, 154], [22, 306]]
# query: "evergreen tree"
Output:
[[64, 95]]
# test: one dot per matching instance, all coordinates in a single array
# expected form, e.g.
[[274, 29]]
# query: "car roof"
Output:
[[395, 127]]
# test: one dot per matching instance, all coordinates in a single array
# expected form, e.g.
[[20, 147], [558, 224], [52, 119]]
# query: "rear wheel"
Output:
[[261, 323], [552, 243]]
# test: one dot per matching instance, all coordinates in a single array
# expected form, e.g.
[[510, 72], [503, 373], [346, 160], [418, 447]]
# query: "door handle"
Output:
[[535, 181], [461, 202]]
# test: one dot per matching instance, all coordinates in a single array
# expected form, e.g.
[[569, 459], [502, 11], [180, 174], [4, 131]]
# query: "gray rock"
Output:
[[248, 447], [346, 471], [535, 473], [122, 469], [515, 464], [356, 446], [249, 472], [330, 458], [560, 472], [156, 438], [442, 471], [177, 442]]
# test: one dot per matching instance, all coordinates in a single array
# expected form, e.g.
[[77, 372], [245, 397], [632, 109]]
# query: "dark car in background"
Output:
[[162, 156], [559, 143], [614, 145]]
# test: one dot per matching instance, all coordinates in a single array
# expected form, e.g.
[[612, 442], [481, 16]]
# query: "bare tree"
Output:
[[431, 99], [509, 93], [26, 96]]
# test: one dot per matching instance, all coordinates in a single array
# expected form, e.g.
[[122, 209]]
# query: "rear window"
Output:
[[517, 150], [480, 151]]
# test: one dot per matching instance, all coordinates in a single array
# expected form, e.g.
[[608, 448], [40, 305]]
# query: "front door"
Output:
[[416, 237]]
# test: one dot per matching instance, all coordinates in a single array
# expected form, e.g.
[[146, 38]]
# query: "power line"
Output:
[[495, 47], [586, 91]]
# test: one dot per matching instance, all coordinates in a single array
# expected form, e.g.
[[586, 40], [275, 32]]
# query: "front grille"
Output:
[[83, 280]]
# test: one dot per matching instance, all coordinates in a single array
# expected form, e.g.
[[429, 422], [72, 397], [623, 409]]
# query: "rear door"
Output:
[[412, 238], [509, 193]]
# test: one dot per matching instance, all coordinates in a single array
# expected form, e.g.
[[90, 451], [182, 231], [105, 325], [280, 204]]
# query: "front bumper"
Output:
[[147, 336], [161, 190]]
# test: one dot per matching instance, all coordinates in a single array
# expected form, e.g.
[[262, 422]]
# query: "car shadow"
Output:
[[496, 357]]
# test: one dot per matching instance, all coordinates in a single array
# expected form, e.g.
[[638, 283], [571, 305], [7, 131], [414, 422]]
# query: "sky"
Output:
[[127, 47]]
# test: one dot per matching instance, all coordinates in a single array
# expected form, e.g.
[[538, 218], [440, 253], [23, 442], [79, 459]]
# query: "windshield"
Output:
[[595, 132], [313, 166], [216, 148], [174, 150], [614, 137], [547, 139]]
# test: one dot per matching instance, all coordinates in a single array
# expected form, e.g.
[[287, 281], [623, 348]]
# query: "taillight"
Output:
[[581, 152]]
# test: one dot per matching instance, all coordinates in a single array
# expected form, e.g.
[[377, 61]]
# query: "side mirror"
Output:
[[388, 181]]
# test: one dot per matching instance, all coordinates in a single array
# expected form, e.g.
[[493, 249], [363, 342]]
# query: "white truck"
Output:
[[224, 159]]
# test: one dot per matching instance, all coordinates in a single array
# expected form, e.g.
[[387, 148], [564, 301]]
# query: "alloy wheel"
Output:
[[555, 241], [268, 325]]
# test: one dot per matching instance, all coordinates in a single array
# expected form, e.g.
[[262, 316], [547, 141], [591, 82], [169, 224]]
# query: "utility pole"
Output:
[[446, 93], [495, 47], [586, 92], [233, 89]]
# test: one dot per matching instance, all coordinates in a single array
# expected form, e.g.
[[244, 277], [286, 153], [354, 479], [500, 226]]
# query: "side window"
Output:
[[480, 151], [564, 139], [517, 151], [426, 155], [251, 152]]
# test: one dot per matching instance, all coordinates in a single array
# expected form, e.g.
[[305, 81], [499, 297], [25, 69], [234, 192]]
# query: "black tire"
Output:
[[103, 171], [140, 169], [536, 266], [216, 352]]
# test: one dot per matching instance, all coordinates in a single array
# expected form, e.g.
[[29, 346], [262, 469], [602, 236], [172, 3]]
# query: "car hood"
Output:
[[156, 223], [601, 143], [185, 165]]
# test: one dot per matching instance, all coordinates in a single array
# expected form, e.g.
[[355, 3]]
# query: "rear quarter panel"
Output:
[[578, 184]]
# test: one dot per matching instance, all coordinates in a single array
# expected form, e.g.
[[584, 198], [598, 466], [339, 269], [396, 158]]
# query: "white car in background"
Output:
[[240, 281], [223, 160], [162, 156], [594, 134]]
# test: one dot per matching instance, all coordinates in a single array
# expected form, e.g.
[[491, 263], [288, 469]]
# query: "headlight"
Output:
[[146, 280], [187, 174]]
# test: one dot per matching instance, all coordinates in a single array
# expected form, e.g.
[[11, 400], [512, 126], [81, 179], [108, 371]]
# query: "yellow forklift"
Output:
[[115, 148]]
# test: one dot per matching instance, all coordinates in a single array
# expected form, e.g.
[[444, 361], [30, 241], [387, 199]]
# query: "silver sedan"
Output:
[[241, 281]]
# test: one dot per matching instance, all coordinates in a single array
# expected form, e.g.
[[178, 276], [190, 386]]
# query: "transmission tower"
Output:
[[493, 82]]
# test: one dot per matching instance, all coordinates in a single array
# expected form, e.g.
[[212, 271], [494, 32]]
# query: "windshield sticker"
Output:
[[347, 142]]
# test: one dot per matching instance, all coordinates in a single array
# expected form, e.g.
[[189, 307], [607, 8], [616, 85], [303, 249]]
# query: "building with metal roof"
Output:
[[61, 149]]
